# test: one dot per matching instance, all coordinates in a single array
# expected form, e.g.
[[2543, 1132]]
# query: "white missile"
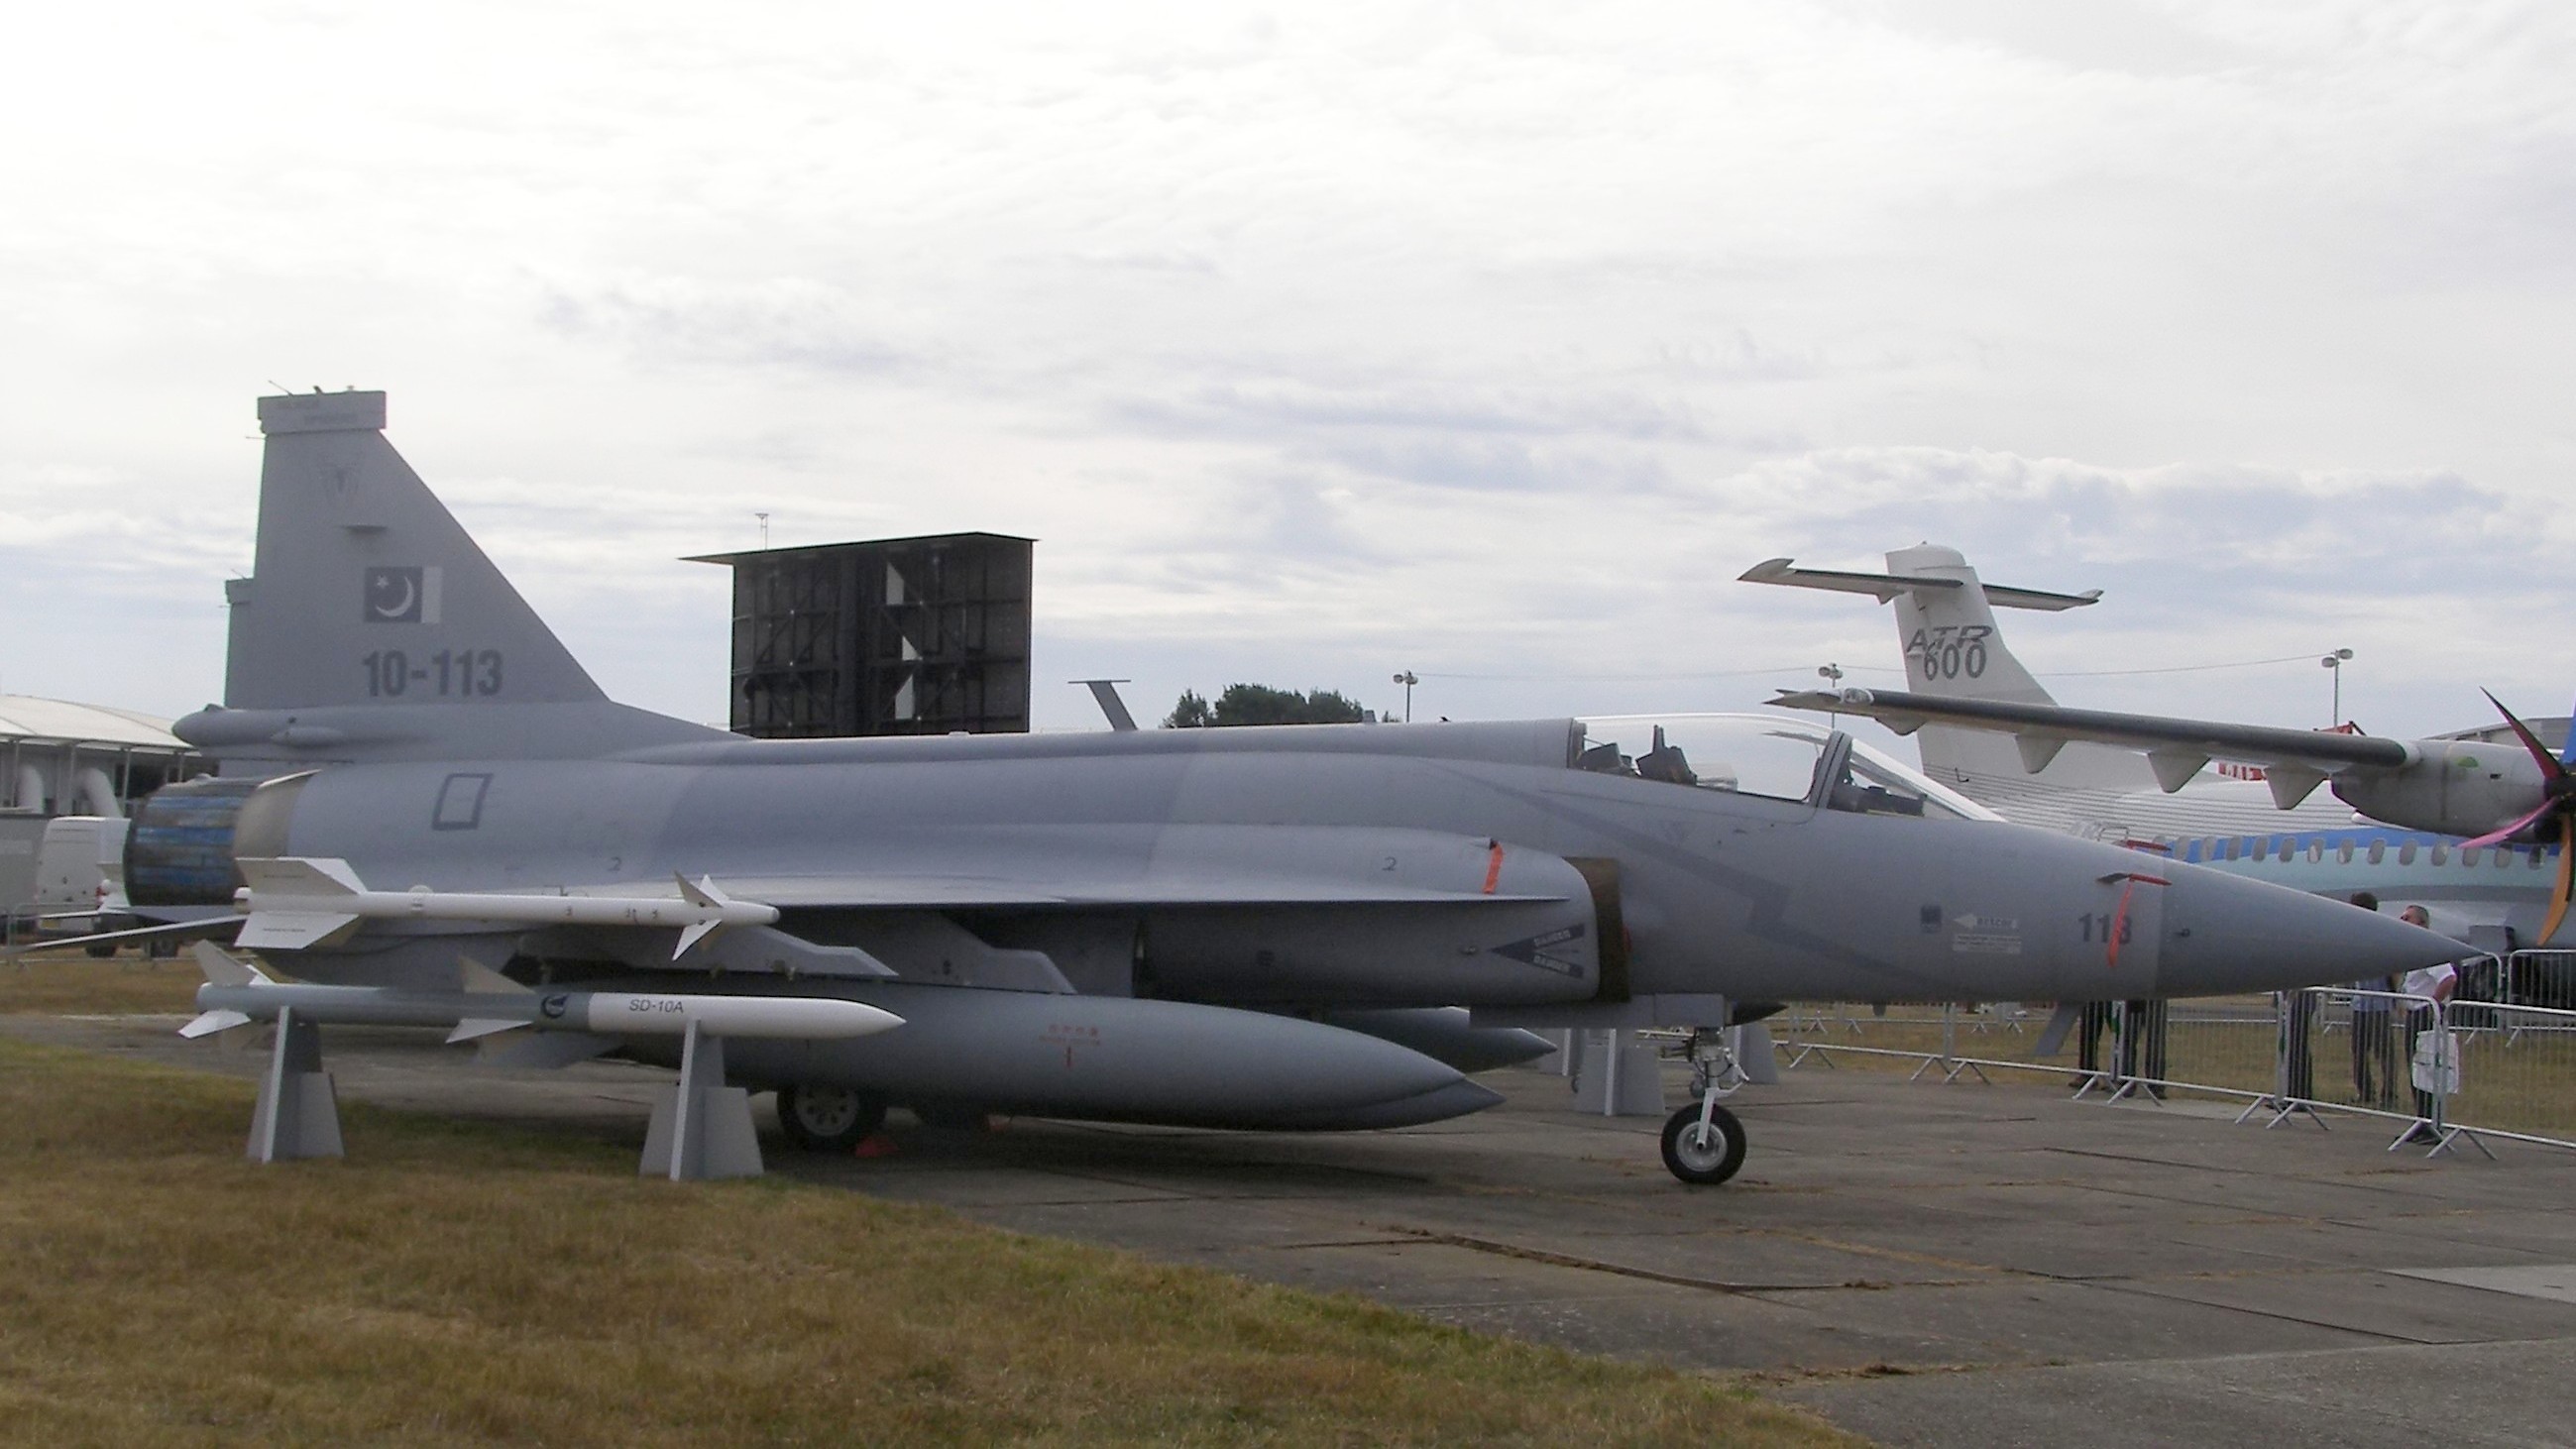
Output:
[[294, 902], [776, 1018], [238, 993]]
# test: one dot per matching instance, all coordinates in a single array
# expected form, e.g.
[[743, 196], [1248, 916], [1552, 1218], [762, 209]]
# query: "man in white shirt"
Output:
[[2434, 984]]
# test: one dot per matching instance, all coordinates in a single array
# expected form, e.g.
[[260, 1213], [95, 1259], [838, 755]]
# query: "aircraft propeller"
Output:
[[2558, 799]]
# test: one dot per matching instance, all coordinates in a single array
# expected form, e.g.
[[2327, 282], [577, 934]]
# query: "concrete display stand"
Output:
[[299, 1112], [701, 1128], [1617, 1076]]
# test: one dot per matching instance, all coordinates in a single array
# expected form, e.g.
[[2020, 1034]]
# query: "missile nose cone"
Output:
[[2224, 934]]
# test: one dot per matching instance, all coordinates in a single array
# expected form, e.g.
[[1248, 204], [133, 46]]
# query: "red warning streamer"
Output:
[[1493, 867], [2120, 918]]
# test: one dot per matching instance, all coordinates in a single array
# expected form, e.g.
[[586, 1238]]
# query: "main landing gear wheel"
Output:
[[828, 1119], [1703, 1156]]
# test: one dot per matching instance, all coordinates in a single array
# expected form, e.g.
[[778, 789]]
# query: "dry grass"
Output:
[[467, 1283], [60, 983]]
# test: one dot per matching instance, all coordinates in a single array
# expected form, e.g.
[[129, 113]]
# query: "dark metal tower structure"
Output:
[[898, 636]]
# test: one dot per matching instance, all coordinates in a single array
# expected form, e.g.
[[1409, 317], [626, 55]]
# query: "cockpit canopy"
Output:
[[1768, 755]]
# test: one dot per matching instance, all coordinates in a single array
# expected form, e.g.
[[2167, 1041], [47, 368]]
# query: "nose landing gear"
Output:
[[1703, 1142]]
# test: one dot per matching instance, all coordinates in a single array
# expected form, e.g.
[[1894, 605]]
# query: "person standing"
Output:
[[2095, 1020], [2434, 986], [2374, 1039]]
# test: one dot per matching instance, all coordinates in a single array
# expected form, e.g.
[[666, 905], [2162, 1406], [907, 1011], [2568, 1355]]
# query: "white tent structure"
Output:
[[61, 758]]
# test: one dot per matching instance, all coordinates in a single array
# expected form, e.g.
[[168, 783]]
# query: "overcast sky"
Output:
[[1315, 344]]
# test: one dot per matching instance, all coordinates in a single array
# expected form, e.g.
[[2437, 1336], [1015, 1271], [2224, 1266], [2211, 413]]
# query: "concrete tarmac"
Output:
[[1923, 1264]]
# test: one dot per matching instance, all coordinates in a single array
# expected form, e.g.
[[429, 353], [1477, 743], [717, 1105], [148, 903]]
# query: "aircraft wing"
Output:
[[297, 902], [1174, 866], [2294, 761], [924, 892]]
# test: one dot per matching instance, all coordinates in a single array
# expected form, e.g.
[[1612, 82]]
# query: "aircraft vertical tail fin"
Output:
[[1945, 625], [366, 591], [373, 627]]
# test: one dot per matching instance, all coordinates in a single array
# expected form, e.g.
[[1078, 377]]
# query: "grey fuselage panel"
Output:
[[1743, 895]]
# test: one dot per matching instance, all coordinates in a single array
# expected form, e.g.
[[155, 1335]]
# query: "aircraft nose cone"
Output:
[[2224, 934]]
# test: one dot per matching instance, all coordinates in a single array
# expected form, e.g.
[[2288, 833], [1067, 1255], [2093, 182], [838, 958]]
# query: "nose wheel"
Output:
[[1703, 1143]]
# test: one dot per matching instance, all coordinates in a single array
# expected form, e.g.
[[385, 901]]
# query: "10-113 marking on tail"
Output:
[[449, 673]]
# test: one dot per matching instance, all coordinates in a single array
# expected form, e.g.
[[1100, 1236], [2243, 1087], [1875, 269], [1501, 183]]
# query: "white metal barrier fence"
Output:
[[2437, 1072]]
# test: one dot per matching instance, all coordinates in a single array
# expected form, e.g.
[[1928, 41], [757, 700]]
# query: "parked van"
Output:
[[80, 878]]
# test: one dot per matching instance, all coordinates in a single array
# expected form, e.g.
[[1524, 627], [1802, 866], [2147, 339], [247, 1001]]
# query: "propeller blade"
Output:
[[2550, 769], [2499, 837], [2566, 878]]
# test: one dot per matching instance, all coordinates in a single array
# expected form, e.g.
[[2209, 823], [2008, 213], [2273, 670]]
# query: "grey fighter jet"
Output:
[[426, 804]]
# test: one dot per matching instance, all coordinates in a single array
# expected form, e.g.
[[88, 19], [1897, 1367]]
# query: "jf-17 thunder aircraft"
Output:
[[426, 812], [2100, 772]]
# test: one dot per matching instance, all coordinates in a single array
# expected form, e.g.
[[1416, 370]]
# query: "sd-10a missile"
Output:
[[295, 902], [238, 994]]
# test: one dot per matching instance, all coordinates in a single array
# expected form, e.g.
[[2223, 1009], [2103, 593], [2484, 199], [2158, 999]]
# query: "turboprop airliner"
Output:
[[2239, 798]]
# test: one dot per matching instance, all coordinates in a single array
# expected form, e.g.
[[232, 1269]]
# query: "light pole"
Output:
[[2335, 662], [1408, 679], [1832, 675], [764, 526]]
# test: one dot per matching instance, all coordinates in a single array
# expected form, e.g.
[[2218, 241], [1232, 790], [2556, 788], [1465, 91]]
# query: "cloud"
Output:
[[1492, 342], [786, 321]]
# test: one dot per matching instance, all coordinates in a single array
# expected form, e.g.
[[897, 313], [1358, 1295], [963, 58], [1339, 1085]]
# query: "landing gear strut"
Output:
[[1703, 1142]]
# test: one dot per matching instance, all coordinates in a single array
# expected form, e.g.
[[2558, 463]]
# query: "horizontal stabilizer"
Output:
[[1887, 588]]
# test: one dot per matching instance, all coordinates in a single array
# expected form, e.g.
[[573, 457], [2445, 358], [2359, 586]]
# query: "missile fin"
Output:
[[474, 1028], [544, 1050], [482, 980], [208, 1023], [293, 930], [222, 968], [295, 875], [692, 935]]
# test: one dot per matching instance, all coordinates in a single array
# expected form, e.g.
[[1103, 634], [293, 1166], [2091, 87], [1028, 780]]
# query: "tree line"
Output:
[[1259, 704]]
